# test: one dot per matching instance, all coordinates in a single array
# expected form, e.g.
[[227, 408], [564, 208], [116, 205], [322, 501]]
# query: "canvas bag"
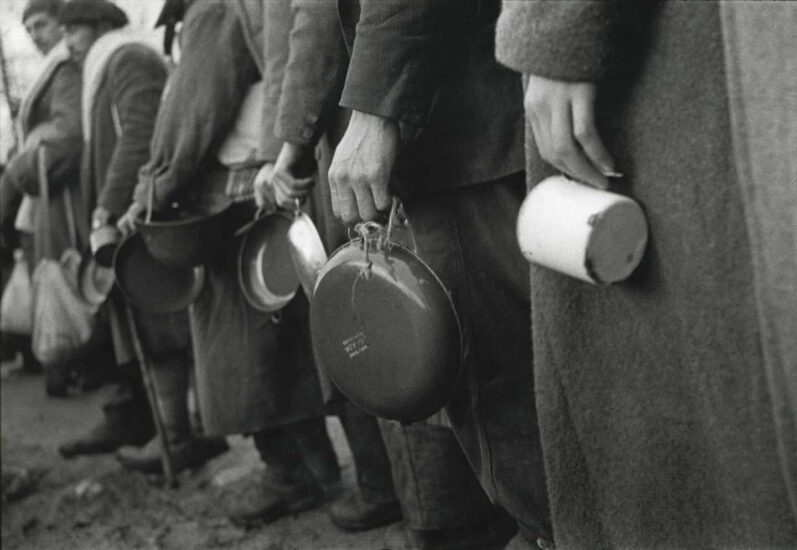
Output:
[[63, 321], [16, 307]]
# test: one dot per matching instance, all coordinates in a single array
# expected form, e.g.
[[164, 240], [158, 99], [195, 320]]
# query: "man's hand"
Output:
[[562, 117], [127, 223], [291, 178], [263, 193], [100, 217], [361, 168]]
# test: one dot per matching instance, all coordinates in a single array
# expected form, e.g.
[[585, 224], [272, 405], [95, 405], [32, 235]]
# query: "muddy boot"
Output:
[[373, 503], [107, 436], [56, 379], [278, 495], [186, 455], [126, 421], [170, 378], [352, 512], [288, 486]]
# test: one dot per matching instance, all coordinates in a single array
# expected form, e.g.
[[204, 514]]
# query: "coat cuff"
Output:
[[571, 41], [396, 91], [305, 132]]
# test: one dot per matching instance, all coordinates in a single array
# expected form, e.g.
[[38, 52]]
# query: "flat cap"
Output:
[[76, 12], [53, 7]]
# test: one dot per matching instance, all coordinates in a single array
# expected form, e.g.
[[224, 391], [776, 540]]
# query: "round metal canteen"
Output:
[[385, 330], [266, 273]]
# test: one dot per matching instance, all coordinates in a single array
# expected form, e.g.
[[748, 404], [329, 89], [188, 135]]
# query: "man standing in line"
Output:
[[254, 370], [661, 422], [443, 504], [122, 84], [50, 113], [423, 75]]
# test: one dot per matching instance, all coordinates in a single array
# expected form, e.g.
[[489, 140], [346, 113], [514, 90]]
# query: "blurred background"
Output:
[[21, 61]]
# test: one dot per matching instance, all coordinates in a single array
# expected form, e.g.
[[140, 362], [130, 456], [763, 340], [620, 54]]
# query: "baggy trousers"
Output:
[[467, 236]]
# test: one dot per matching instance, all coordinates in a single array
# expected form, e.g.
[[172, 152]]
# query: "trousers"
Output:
[[467, 236]]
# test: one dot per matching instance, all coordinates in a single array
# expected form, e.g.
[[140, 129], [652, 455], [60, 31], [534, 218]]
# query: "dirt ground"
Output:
[[92, 503]]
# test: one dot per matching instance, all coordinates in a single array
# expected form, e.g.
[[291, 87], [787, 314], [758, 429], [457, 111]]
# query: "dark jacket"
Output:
[[132, 84], [654, 406], [252, 372], [55, 119], [304, 73], [198, 110], [304, 84], [430, 65]]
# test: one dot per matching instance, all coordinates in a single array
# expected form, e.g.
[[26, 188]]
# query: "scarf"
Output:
[[94, 70], [59, 54]]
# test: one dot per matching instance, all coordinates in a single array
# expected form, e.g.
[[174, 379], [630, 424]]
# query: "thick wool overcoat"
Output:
[[654, 405], [52, 121]]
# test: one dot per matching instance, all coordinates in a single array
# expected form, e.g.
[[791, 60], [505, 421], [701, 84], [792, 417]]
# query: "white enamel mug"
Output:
[[590, 234]]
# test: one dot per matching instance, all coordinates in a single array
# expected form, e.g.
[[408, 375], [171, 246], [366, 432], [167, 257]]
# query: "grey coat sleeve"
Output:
[[205, 92], [314, 72], [574, 40], [138, 77], [60, 133]]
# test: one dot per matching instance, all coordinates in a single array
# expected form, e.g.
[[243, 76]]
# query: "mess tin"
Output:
[[307, 250], [151, 285], [266, 273], [593, 235], [103, 241], [95, 281], [384, 328], [187, 234]]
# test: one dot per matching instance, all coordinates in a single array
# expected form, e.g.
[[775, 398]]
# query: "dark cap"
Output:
[[53, 7], [172, 12], [92, 12]]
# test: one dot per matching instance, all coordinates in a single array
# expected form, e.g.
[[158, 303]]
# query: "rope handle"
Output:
[[373, 234], [44, 194]]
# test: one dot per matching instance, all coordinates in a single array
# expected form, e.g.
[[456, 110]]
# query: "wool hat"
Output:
[[53, 7], [92, 12]]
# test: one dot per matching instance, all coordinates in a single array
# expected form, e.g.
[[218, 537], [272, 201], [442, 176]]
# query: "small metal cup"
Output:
[[103, 241]]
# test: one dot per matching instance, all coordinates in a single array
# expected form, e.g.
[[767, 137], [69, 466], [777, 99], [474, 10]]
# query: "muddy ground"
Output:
[[92, 503]]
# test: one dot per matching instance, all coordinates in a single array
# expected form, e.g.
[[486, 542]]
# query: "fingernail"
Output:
[[611, 173]]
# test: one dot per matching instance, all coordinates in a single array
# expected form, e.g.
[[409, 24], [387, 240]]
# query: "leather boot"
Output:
[[274, 497], [288, 485], [188, 454], [126, 421], [105, 437], [352, 512], [171, 379]]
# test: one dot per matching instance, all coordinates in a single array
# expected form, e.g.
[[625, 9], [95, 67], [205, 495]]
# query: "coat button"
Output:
[[311, 118], [307, 133]]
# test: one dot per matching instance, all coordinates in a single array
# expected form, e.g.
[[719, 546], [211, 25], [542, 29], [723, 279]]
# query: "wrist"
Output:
[[378, 122]]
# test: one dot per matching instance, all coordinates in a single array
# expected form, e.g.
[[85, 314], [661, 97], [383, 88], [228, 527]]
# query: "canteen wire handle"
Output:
[[150, 198]]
